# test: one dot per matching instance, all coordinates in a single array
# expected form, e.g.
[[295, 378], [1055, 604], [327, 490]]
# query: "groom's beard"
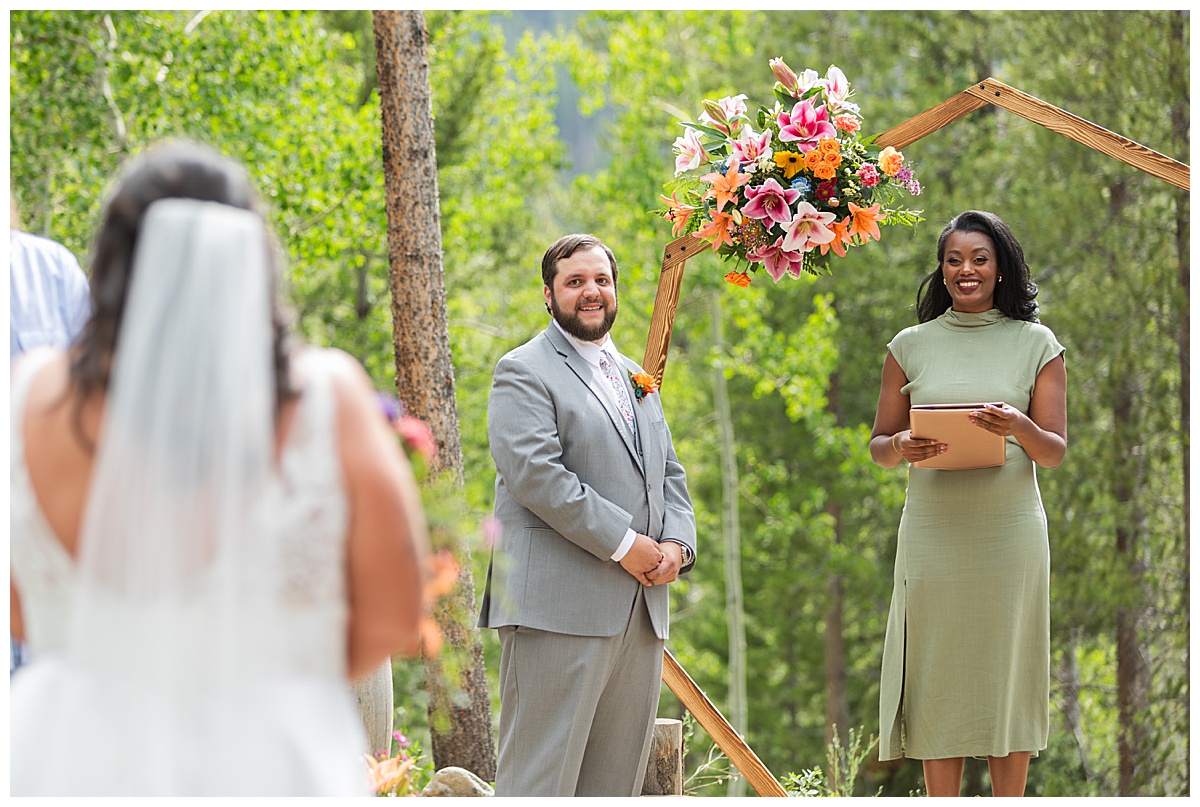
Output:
[[572, 324]]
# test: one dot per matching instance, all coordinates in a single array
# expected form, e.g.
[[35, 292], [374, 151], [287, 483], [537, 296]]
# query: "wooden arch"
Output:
[[676, 254]]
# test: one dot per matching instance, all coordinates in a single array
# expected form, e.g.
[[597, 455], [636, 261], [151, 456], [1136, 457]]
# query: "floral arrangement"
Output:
[[804, 185], [420, 447], [643, 385], [398, 774]]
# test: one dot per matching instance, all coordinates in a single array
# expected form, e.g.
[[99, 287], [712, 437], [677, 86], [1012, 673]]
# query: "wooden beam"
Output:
[[723, 734], [930, 120], [662, 320], [1083, 131]]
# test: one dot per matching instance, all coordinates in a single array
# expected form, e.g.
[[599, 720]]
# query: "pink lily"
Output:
[[777, 260], [749, 148], [808, 79], [691, 152], [808, 229], [805, 125], [837, 88], [770, 200], [785, 75], [724, 113]]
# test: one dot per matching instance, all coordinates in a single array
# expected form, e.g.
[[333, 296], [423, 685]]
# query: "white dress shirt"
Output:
[[590, 352]]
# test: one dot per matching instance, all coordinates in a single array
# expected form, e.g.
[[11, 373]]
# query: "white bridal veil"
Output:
[[173, 628]]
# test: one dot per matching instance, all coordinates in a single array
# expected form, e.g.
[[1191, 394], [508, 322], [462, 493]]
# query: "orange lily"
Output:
[[740, 279], [717, 230], [840, 238], [725, 188], [677, 215], [863, 221]]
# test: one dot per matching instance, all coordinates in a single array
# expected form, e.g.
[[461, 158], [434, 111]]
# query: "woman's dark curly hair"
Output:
[[1015, 295], [178, 169]]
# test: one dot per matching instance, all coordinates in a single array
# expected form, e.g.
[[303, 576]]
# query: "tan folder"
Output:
[[968, 445]]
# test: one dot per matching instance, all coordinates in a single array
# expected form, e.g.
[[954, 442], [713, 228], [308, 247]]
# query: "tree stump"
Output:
[[664, 769], [374, 696]]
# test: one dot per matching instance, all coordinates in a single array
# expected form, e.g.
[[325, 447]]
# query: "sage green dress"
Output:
[[966, 661]]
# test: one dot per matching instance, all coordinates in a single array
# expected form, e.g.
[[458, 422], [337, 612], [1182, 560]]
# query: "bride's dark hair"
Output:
[[178, 169]]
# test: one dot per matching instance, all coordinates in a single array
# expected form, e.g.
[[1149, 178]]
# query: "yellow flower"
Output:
[[790, 162], [890, 161]]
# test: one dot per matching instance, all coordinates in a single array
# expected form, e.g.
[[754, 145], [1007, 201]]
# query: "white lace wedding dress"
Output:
[[287, 725]]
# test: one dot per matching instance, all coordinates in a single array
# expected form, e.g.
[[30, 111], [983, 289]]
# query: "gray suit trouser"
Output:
[[577, 712]]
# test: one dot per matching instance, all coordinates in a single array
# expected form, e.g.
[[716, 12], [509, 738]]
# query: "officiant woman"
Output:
[[966, 660]]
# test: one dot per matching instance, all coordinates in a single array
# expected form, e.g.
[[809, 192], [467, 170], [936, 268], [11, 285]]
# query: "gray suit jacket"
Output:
[[569, 482]]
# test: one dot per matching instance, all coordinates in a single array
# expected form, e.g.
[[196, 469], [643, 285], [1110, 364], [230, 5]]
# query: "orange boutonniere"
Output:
[[643, 385]]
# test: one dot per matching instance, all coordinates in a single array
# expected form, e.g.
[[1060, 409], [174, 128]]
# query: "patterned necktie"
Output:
[[619, 388]]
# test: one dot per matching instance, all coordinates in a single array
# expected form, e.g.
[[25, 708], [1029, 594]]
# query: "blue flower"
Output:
[[803, 185]]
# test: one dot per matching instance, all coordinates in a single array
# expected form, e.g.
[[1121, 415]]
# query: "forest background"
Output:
[[556, 122]]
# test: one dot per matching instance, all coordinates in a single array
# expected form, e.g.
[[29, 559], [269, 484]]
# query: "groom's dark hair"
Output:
[[567, 246]]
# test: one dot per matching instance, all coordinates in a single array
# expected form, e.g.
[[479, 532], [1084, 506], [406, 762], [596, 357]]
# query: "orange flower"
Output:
[[863, 221], [825, 170], [445, 578], [740, 279], [847, 123], [725, 188], [677, 215], [645, 381], [841, 238], [829, 145], [717, 230], [790, 162], [890, 161]]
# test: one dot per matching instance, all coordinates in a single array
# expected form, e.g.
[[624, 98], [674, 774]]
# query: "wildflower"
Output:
[[890, 160], [904, 175], [868, 175], [751, 234], [914, 188], [791, 163]]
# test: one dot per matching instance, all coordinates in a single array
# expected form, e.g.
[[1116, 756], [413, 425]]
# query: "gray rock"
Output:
[[456, 782]]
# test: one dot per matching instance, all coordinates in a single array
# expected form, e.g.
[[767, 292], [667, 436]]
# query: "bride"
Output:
[[212, 533]]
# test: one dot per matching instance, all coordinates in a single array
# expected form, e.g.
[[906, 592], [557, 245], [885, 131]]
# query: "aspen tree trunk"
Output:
[[735, 609], [837, 702], [461, 728], [1180, 125]]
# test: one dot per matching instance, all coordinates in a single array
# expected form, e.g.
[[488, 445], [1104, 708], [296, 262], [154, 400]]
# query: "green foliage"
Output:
[[291, 94], [840, 777]]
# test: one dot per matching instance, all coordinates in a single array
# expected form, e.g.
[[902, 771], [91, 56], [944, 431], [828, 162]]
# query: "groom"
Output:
[[595, 522]]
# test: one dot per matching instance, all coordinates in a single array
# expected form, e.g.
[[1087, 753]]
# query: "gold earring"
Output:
[[998, 279], [944, 281]]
